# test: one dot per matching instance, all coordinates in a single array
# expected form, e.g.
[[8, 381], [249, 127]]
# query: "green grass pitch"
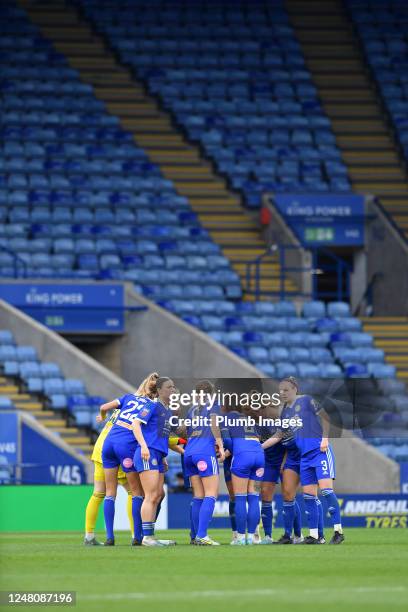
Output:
[[368, 572]]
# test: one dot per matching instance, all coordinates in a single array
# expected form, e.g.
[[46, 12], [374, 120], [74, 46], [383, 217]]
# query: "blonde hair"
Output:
[[148, 388]]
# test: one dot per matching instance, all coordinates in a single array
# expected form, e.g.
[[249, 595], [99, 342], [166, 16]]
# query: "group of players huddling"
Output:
[[131, 450]]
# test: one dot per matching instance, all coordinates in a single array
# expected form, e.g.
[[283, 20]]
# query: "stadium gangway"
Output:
[[278, 253]]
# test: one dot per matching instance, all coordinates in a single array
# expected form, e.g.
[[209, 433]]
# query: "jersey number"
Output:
[[129, 414]]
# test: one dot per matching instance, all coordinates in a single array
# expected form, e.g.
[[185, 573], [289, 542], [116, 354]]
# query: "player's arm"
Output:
[[325, 422], [137, 431], [277, 437], [218, 437], [177, 448], [105, 408]]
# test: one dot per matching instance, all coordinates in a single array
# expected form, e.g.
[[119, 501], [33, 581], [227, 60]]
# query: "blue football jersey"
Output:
[[274, 452], [130, 405], [155, 419], [242, 435], [288, 433], [308, 437], [200, 439]]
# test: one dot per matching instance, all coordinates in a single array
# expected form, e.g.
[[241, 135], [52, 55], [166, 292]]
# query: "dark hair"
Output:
[[292, 380], [160, 381], [205, 385]]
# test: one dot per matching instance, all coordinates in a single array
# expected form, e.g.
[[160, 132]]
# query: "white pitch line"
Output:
[[233, 593]]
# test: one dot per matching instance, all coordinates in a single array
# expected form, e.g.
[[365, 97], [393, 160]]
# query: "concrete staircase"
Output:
[[53, 421], [219, 209], [350, 99], [391, 335]]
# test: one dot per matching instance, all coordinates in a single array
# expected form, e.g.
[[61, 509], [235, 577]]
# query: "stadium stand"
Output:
[[350, 89], [40, 388], [81, 200], [235, 81]]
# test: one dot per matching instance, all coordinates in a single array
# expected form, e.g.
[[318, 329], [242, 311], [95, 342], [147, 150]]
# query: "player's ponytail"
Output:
[[148, 388]]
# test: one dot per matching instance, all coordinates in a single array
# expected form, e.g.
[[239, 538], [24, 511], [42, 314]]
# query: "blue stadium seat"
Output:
[[58, 401], [338, 309], [314, 310], [6, 403], [381, 370]]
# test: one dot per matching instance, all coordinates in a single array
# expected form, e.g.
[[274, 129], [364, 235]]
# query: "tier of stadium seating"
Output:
[[45, 385], [29, 385], [235, 80], [383, 30], [127, 222], [80, 200]]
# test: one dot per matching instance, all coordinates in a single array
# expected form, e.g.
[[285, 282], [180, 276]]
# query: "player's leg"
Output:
[[111, 480], [311, 506], [256, 464], [240, 485], [162, 494], [92, 508], [290, 483], [210, 485], [136, 496], [150, 479], [321, 522], [196, 502], [231, 507], [205, 467], [267, 493], [230, 489], [254, 513], [297, 524], [122, 480], [191, 472], [330, 498]]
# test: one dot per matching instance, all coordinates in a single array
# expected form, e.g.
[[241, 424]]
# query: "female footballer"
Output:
[[98, 495], [288, 390], [247, 469], [118, 451], [151, 429], [204, 446]]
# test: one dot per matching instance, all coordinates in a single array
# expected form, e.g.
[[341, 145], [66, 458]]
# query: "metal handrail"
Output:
[[368, 294], [279, 250], [253, 273], [17, 259]]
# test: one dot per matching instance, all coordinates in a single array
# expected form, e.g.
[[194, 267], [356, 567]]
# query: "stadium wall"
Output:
[[296, 258], [32, 508], [158, 340], [387, 256], [192, 354], [52, 347]]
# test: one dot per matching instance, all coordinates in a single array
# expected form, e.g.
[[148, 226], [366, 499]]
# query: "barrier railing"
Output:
[[17, 260], [278, 253]]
